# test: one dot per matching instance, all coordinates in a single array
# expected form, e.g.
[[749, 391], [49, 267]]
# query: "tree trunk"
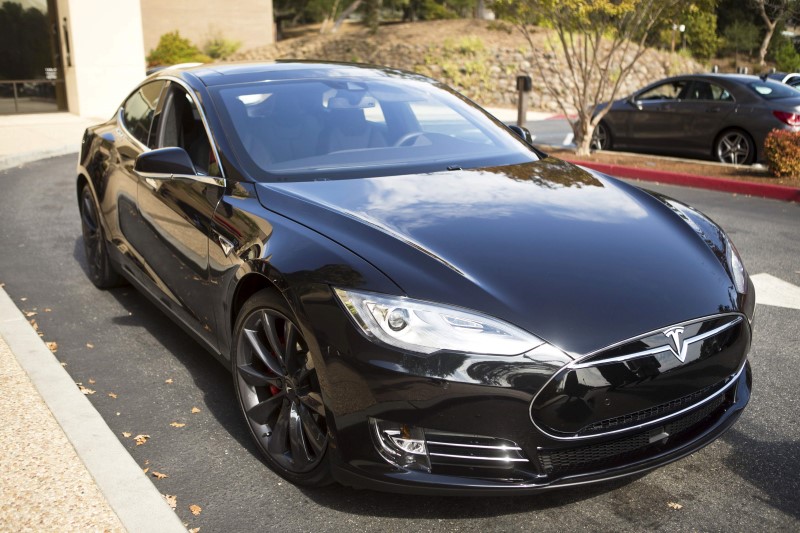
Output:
[[346, 13], [583, 130], [762, 53]]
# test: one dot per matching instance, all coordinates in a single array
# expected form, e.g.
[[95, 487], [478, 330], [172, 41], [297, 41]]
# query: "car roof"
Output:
[[248, 72]]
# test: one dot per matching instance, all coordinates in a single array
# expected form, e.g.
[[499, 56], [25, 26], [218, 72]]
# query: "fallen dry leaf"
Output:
[[194, 530], [195, 410], [47, 309], [63, 364], [53, 346], [89, 345], [168, 381], [30, 313], [141, 439], [676, 506], [147, 461], [111, 394], [87, 391], [2, 285], [195, 509], [23, 299], [145, 470], [126, 434], [91, 381], [34, 325], [41, 334], [177, 424], [159, 475], [171, 500]]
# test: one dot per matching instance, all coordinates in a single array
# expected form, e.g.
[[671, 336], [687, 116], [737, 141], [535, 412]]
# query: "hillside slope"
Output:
[[479, 58]]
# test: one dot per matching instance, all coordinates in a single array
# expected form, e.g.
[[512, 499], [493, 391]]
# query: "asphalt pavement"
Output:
[[152, 379]]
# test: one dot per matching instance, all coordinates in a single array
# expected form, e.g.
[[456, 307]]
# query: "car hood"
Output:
[[577, 258]]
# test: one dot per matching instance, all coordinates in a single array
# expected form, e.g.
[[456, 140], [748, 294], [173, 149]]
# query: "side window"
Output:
[[139, 108], [181, 125], [702, 90], [666, 91]]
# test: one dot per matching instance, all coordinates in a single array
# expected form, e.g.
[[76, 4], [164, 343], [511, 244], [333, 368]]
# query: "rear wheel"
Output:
[[735, 147], [279, 392], [601, 138], [101, 271]]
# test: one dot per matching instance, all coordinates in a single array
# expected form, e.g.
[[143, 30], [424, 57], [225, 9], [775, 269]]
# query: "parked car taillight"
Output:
[[792, 119]]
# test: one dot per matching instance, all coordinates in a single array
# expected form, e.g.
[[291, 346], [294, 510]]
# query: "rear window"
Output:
[[328, 128], [771, 90]]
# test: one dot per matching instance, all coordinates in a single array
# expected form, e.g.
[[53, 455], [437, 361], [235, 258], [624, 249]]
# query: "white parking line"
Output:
[[774, 291], [568, 139]]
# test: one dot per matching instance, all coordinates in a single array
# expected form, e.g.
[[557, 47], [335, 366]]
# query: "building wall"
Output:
[[106, 53], [247, 21]]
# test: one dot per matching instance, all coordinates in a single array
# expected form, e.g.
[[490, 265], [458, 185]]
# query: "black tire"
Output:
[[279, 392], [735, 147], [601, 137], [101, 271]]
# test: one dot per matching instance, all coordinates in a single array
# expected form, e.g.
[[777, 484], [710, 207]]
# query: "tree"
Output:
[[600, 40], [773, 12]]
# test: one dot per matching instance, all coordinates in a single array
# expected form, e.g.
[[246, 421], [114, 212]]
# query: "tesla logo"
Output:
[[679, 348]]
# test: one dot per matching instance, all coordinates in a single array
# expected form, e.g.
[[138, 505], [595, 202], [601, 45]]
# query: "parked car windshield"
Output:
[[341, 128], [771, 90]]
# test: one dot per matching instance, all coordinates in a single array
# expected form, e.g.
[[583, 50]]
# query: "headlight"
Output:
[[736, 267], [424, 327]]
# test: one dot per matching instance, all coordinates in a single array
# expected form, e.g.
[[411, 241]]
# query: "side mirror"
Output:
[[523, 133], [634, 102], [165, 163]]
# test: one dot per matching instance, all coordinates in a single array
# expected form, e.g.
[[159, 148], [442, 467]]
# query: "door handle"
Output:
[[712, 110]]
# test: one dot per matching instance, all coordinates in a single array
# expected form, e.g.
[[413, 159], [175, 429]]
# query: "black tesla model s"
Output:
[[409, 296]]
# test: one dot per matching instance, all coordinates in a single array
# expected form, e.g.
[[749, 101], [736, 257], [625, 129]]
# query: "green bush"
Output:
[[782, 150], [786, 57], [173, 49], [218, 47]]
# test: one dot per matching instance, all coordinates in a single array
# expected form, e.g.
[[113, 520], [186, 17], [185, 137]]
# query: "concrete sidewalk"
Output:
[[26, 138]]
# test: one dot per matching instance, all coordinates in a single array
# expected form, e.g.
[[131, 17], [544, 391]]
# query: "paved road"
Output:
[[117, 342], [552, 132]]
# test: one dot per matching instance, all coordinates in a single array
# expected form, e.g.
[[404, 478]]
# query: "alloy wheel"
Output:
[[734, 147], [279, 391], [92, 235], [600, 138]]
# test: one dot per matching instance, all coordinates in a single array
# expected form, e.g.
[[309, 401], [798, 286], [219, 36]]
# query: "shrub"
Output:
[[173, 49], [782, 150], [218, 47], [785, 56]]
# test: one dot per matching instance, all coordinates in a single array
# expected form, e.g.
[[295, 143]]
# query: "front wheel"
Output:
[[279, 392], [735, 147]]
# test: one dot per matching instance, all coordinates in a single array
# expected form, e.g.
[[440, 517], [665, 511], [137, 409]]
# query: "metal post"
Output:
[[524, 86], [16, 105]]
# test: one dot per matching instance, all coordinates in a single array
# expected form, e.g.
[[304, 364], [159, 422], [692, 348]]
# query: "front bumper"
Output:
[[693, 430]]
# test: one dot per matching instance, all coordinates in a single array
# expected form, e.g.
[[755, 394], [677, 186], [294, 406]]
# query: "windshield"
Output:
[[772, 90], [341, 128]]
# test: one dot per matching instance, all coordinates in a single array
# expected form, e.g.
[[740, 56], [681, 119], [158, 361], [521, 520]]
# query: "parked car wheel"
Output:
[[601, 138], [101, 271], [735, 147], [279, 392]]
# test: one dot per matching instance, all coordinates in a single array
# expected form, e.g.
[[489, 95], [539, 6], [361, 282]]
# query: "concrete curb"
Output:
[[764, 190], [137, 503]]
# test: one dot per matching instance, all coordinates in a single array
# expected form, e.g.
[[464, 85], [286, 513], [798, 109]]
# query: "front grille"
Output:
[[583, 459], [645, 415], [475, 456]]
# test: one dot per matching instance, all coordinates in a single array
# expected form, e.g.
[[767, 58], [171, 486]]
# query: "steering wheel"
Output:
[[403, 141]]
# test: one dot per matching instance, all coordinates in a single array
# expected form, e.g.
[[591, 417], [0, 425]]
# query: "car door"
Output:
[[704, 112], [654, 124], [178, 213], [117, 193]]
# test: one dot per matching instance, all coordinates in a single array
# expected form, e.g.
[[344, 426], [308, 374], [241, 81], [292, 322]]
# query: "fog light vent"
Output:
[[401, 444]]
